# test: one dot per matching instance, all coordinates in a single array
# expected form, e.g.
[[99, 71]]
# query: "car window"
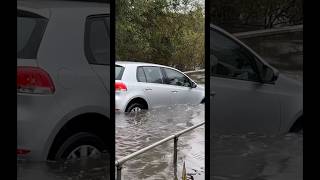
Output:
[[153, 74], [141, 77], [98, 40], [119, 72], [229, 59], [176, 78], [30, 29]]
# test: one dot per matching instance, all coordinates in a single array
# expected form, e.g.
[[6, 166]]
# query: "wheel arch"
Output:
[[79, 116], [294, 121], [297, 125], [137, 99]]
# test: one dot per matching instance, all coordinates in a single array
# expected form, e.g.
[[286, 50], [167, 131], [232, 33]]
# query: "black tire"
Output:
[[135, 105], [77, 140]]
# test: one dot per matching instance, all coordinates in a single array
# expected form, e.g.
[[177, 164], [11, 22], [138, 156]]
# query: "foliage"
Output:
[[259, 13], [168, 32]]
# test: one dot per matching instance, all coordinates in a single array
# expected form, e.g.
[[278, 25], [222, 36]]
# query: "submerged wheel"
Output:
[[81, 145], [135, 107]]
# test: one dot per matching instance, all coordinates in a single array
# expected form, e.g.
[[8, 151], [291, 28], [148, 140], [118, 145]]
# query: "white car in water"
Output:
[[144, 86], [248, 94]]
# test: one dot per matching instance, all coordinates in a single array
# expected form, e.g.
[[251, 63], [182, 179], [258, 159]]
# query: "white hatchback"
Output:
[[144, 86]]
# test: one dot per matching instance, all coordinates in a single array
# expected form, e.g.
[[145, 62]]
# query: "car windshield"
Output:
[[30, 29], [119, 72]]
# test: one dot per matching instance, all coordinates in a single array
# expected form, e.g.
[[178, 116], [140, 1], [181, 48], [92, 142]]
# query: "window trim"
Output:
[[25, 13], [121, 72], [146, 75], [88, 53], [248, 53], [39, 30]]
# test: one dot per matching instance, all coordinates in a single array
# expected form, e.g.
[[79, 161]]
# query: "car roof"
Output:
[[136, 63], [45, 7]]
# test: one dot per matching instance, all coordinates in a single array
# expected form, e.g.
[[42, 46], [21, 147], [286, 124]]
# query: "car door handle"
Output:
[[148, 89], [212, 94], [174, 91]]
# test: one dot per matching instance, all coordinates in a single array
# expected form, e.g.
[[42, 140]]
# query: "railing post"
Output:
[[175, 157], [119, 167]]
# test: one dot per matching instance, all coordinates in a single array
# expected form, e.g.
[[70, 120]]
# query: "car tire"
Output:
[[135, 107], [74, 143]]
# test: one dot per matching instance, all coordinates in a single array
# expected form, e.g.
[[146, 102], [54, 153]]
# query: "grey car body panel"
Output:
[[80, 87]]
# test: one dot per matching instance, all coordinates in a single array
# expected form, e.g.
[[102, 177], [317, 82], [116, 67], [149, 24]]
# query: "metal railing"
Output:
[[119, 163]]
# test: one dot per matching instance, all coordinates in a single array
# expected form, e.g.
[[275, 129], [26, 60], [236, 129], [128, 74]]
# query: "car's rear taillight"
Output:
[[120, 86], [34, 80], [22, 151]]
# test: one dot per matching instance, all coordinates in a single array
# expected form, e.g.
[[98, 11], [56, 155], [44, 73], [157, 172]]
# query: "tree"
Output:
[[256, 13], [169, 32]]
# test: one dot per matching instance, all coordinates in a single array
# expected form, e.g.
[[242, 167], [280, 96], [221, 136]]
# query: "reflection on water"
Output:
[[256, 157], [134, 132], [85, 169]]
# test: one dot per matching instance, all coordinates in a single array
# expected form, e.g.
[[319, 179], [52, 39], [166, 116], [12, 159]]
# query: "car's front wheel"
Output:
[[81, 145]]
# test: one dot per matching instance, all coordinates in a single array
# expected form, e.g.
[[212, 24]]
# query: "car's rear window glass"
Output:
[[98, 40], [119, 72], [153, 74], [30, 29], [141, 77]]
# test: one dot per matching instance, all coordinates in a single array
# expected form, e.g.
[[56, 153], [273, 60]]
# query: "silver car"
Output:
[[63, 77], [144, 86], [248, 94]]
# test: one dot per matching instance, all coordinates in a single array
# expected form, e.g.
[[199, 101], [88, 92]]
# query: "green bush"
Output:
[[161, 31]]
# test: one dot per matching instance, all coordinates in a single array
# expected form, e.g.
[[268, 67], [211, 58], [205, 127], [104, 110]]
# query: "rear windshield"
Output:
[[119, 72], [30, 29]]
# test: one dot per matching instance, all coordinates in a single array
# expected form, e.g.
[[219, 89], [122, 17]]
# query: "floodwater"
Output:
[[134, 132], [257, 157], [86, 169]]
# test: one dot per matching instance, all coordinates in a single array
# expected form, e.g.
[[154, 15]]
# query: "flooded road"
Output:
[[257, 157], [134, 132], [86, 169]]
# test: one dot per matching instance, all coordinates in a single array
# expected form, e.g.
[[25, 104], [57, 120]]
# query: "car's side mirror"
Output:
[[193, 85], [268, 75]]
